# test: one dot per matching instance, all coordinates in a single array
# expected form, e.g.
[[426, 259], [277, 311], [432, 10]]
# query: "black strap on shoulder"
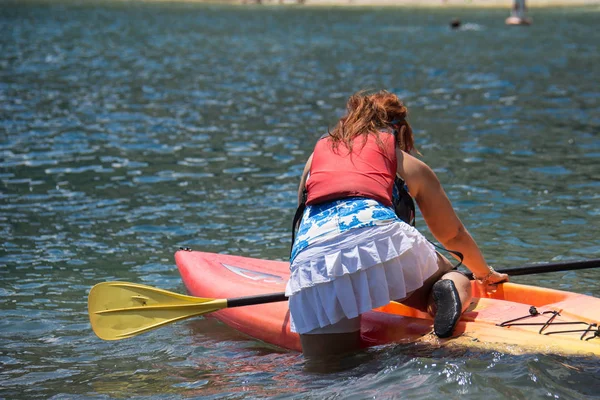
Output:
[[404, 205], [297, 217]]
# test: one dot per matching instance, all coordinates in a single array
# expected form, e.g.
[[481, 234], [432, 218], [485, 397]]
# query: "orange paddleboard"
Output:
[[512, 318]]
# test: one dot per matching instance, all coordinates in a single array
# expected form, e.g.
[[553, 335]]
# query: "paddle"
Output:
[[543, 268], [120, 310]]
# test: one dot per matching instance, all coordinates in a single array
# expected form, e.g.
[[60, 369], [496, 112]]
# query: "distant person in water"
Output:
[[356, 248], [519, 9], [455, 23], [517, 14]]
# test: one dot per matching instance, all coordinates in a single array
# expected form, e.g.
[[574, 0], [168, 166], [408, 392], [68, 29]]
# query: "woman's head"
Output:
[[369, 113]]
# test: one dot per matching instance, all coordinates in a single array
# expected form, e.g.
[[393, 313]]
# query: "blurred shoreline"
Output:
[[501, 4]]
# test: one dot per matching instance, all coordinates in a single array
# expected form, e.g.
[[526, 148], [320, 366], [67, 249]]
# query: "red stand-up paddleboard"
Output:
[[513, 318]]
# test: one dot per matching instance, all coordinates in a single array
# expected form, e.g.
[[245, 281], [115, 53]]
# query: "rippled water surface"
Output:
[[131, 129]]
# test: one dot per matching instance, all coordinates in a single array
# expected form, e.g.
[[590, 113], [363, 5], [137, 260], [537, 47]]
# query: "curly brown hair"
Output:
[[368, 114]]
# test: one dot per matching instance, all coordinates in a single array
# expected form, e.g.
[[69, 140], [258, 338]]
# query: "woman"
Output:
[[352, 253]]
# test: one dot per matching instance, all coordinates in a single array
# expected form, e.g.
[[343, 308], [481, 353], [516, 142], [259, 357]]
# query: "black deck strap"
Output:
[[590, 328], [533, 312], [596, 335], [554, 315]]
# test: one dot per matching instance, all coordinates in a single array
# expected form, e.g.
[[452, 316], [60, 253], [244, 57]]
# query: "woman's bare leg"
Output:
[[332, 352], [329, 344]]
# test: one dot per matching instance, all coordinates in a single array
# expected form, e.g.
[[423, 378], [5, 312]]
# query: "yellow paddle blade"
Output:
[[120, 310]]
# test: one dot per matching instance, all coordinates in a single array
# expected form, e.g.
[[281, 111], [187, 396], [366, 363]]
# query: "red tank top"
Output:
[[369, 171]]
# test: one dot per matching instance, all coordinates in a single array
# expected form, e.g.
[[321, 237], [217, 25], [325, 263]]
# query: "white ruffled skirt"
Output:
[[355, 272]]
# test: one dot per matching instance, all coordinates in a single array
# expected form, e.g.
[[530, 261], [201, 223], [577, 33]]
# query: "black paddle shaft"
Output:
[[542, 268], [259, 299], [524, 270]]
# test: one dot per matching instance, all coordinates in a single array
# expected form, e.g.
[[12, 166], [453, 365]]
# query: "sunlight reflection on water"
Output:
[[132, 129]]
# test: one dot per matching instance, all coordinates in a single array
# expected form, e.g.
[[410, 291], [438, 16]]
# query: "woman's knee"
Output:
[[462, 283], [463, 287]]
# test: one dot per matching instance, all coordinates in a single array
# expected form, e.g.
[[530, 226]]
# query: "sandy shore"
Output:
[[448, 3], [505, 4]]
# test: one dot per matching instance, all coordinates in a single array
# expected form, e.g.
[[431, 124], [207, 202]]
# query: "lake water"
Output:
[[130, 129]]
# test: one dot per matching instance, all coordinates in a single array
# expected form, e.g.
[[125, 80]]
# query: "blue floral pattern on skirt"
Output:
[[324, 221]]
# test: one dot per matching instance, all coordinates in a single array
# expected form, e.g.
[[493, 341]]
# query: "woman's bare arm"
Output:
[[440, 216]]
